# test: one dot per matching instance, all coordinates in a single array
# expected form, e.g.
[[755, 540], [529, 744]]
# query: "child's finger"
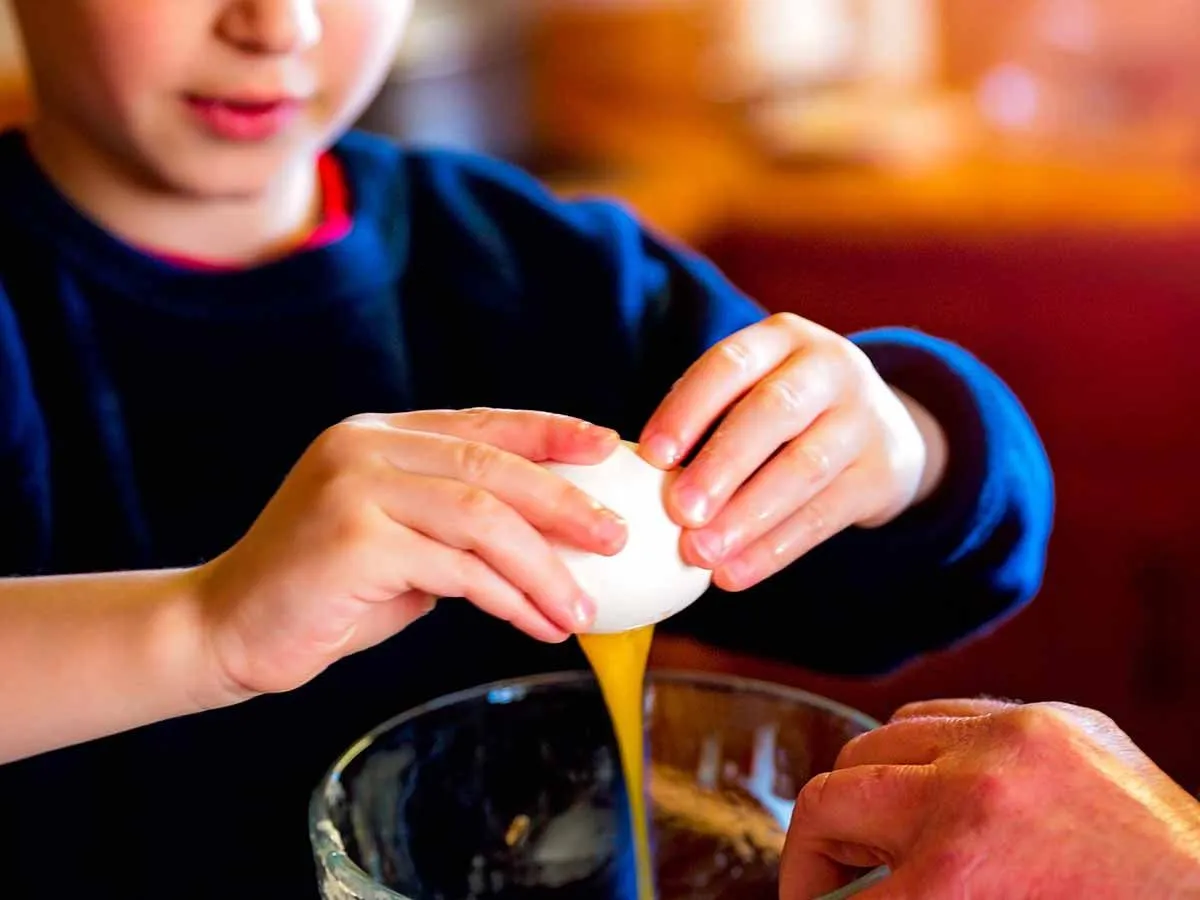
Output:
[[777, 409], [828, 513], [450, 572], [470, 518], [711, 385], [383, 620], [544, 499], [805, 467], [536, 436]]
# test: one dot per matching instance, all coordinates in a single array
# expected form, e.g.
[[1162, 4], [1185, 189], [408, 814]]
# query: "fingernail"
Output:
[[738, 573], [427, 607], [709, 545], [662, 449], [583, 610], [599, 432], [611, 528], [693, 504]]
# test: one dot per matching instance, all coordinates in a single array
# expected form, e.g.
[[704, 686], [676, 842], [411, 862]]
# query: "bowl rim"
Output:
[[329, 852]]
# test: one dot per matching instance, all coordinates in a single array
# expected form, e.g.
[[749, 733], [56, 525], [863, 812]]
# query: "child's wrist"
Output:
[[183, 635], [936, 447]]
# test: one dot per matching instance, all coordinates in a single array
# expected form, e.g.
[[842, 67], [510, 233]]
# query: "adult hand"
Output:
[[991, 800]]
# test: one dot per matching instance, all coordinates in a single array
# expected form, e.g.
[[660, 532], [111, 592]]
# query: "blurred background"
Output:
[[1021, 176]]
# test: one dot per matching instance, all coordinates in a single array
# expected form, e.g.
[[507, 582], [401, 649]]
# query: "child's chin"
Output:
[[216, 176]]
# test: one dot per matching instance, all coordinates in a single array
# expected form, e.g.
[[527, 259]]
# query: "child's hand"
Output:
[[384, 513], [836, 446]]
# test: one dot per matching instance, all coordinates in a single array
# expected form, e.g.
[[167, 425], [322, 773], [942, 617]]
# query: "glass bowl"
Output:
[[514, 791]]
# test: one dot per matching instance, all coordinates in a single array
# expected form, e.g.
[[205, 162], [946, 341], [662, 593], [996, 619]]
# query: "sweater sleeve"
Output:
[[24, 499], [868, 600]]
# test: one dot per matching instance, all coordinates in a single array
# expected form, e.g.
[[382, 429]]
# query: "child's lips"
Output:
[[244, 118]]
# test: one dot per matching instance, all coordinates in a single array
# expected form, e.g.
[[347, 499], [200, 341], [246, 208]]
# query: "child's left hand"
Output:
[[812, 441]]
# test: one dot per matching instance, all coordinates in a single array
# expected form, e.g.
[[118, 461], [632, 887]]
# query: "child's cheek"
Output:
[[358, 47]]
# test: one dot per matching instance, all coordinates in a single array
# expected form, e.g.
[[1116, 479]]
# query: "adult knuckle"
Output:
[[808, 802], [1070, 714], [878, 776], [864, 786], [850, 750], [912, 709], [1029, 729]]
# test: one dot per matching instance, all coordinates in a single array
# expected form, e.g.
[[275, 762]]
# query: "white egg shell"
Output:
[[648, 581]]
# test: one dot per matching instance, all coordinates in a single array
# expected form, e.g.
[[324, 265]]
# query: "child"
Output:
[[286, 385]]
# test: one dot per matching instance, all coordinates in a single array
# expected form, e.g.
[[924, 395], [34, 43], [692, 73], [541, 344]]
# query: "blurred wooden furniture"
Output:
[[15, 104], [699, 188]]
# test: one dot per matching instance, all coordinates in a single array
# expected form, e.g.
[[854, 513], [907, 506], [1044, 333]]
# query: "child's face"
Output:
[[212, 98]]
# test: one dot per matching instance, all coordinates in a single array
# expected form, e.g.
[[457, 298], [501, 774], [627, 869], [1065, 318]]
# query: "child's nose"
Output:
[[272, 26]]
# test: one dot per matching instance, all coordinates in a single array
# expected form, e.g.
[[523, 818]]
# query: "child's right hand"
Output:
[[384, 513]]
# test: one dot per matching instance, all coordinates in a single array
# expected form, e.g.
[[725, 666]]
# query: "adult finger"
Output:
[[954, 708], [881, 807], [818, 870], [906, 742]]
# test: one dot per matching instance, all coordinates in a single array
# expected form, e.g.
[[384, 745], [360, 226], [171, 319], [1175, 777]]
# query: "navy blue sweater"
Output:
[[147, 413]]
